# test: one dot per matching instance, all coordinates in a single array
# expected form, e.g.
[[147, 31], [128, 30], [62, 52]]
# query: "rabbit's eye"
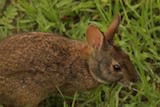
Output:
[[116, 67]]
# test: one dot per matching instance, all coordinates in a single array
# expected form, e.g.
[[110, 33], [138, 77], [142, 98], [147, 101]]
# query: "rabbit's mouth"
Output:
[[118, 80], [114, 82]]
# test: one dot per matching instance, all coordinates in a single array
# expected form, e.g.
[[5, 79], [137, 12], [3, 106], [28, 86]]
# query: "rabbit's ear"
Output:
[[110, 32], [94, 37]]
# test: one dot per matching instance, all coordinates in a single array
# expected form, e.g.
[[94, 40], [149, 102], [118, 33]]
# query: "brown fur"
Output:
[[29, 64], [33, 65]]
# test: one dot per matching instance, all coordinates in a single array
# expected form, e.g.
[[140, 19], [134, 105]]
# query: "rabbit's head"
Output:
[[108, 63]]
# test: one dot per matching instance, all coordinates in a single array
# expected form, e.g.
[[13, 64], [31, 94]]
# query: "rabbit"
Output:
[[36, 64]]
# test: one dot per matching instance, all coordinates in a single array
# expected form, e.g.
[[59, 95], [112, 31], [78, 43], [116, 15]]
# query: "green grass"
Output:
[[140, 38]]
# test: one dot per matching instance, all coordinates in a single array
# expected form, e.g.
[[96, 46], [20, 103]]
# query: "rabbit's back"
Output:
[[33, 53]]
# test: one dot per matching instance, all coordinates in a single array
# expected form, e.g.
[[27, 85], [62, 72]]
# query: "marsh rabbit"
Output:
[[36, 64]]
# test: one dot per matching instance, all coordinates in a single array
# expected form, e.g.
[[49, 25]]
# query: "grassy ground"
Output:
[[140, 38]]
